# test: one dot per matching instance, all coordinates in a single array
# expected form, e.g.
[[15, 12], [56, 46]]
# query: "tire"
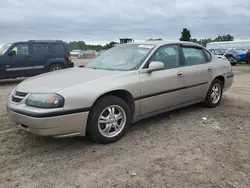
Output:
[[113, 132], [233, 64], [55, 67], [209, 102]]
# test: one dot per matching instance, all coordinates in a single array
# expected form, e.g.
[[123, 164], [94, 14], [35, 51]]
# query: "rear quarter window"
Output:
[[58, 48], [208, 55]]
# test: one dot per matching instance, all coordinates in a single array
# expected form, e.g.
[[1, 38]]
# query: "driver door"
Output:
[[164, 88], [19, 63]]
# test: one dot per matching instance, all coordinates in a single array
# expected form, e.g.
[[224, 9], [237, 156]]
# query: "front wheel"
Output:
[[214, 94], [109, 119]]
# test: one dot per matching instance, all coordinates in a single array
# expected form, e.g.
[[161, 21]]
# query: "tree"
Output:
[[185, 35], [158, 39], [109, 45], [219, 38], [81, 45], [227, 37]]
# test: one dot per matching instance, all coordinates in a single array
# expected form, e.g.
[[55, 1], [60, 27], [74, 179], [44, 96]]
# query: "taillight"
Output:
[[68, 58]]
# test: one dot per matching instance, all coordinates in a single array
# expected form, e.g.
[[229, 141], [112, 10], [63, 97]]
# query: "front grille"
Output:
[[18, 96], [21, 94]]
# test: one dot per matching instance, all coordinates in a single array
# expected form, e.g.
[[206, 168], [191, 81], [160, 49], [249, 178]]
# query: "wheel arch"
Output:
[[121, 93], [51, 62], [221, 78]]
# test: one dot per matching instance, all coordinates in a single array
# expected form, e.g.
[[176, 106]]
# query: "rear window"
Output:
[[58, 48]]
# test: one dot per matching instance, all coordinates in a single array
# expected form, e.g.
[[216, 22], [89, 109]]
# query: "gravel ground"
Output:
[[191, 147]]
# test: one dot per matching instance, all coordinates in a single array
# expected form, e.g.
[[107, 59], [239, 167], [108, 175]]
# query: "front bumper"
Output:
[[66, 125]]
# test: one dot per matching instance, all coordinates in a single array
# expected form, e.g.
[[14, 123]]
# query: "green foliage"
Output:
[[185, 35], [109, 45], [227, 37], [158, 39], [81, 45]]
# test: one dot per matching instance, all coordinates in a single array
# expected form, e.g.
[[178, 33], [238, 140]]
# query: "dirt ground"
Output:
[[180, 149]]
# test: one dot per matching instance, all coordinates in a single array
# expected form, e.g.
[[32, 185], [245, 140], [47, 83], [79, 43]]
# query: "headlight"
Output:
[[45, 100]]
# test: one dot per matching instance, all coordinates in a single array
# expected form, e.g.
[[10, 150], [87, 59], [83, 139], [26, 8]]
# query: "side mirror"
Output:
[[154, 66], [11, 53]]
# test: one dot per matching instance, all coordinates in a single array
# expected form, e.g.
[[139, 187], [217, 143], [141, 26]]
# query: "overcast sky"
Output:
[[101, 21]]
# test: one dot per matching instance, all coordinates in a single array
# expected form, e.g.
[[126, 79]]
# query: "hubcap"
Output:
[[216, 93], [56, 68], [111, 121]]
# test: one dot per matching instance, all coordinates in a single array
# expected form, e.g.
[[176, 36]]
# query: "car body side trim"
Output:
[[50, 114], [168, 91], [19, 68], [139, 118]]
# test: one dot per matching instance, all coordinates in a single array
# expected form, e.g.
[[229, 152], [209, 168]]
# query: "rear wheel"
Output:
[[55, 67], [214, 94], [109, 119]]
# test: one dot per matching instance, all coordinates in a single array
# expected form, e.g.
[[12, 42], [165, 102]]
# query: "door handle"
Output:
[[28, 57], [209, 68], [180, 73]]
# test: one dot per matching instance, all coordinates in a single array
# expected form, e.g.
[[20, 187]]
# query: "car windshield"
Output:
[[122, 57], [4, 48]]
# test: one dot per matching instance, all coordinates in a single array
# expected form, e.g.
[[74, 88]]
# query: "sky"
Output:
[[102, 21]]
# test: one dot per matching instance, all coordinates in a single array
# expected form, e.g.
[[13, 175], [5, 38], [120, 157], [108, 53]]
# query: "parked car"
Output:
[[24, 59], [127, 83], [239, 55], [90, 53], [248, 56], [77, 54], [224, 54]]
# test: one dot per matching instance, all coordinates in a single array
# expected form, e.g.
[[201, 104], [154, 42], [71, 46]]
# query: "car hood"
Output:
[[55, 81]]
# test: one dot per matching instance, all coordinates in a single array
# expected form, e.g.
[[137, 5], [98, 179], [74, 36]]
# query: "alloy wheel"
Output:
[[111, 121], [216, 93]]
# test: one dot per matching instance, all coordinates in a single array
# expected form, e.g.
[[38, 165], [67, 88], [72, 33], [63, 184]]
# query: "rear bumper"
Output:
[[228, 82], [56, 126], [71, 65]]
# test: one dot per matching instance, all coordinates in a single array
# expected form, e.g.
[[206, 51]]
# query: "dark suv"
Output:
[[24, 59]]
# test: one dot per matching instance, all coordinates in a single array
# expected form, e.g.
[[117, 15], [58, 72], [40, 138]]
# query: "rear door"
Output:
[[40, 54], [19, 64], [197, 72]]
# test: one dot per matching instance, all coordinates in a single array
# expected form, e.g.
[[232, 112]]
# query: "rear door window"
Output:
[[58, 48], [193, 56], [41, 48]]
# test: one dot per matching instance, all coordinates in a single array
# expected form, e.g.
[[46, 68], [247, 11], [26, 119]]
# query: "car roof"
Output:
[[164, 42], [60, 41]]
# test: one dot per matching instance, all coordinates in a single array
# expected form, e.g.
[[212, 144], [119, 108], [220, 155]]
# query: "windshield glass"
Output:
[[4, 48], [122, 57]]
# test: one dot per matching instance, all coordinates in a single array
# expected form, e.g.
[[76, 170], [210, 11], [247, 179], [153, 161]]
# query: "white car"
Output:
[[77, 54]]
